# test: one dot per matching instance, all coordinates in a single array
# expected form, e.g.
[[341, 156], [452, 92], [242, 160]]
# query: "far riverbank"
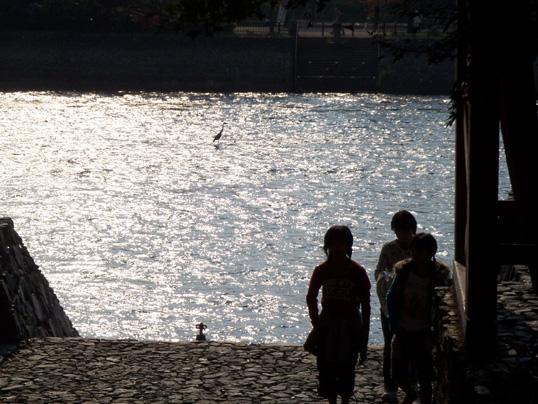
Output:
[[170, 62]]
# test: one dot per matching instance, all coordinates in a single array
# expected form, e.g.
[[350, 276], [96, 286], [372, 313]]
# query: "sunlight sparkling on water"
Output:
[[144, 227]]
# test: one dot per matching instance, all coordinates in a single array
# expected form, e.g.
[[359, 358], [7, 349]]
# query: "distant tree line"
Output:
[[65, 15], [198, 16], [207, 16]]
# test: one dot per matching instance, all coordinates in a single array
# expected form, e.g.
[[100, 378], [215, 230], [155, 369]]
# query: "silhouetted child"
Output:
[[404, 225], [342, 327], [409, 302]]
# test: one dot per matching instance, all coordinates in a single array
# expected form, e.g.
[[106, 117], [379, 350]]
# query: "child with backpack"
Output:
[[404, 226], [409, 303]]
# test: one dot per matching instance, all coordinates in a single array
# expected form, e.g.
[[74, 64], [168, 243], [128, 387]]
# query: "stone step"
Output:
[[79, 370]]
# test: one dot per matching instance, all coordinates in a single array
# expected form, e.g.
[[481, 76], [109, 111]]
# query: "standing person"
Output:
[[404, 225], [342, 327], [409, 302]]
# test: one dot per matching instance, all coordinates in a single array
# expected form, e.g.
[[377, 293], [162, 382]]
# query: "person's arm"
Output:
[[365, 304], [382, 281], [382, 263], [312, 297], [392, 302], [382, 285], [365, 312]]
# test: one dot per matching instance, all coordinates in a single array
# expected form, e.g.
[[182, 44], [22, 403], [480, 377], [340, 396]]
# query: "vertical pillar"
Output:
[[518, 119], [519, 122], [482, 162], [461, 194], [460, 202]]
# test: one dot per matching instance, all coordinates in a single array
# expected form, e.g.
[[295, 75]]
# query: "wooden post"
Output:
[[518, 118], [482, 163], [461, 193], [519, 122], [460, 202], [500, 90]]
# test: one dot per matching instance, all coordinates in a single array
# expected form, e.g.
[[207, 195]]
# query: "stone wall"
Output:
[[510, 375], [449, 349], [413, 74], [151, 62], [28, 306], [170, 62]]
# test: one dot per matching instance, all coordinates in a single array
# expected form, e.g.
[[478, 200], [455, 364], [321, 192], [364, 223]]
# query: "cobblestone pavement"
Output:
[[109, 371]]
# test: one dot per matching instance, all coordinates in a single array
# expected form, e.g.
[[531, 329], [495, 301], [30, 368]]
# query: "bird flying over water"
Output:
[[219, 135]]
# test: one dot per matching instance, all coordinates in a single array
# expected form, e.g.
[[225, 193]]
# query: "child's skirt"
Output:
[[339, 340]]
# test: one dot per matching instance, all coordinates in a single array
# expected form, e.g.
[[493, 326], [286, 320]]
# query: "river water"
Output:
[[144, 226]]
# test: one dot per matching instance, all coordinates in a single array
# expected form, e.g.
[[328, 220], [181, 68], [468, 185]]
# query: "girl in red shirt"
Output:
[[342, 327]]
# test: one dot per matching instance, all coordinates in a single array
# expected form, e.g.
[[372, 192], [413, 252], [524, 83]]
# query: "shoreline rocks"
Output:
[[28, 306]]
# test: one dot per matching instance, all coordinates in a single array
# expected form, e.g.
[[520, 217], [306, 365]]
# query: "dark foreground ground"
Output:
[[106, 371]]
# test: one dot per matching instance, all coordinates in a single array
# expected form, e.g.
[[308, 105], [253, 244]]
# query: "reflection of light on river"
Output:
[[144, 228]]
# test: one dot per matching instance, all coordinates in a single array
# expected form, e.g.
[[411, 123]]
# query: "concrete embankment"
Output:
[[152, 62], [170, 62], [88, 370]]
